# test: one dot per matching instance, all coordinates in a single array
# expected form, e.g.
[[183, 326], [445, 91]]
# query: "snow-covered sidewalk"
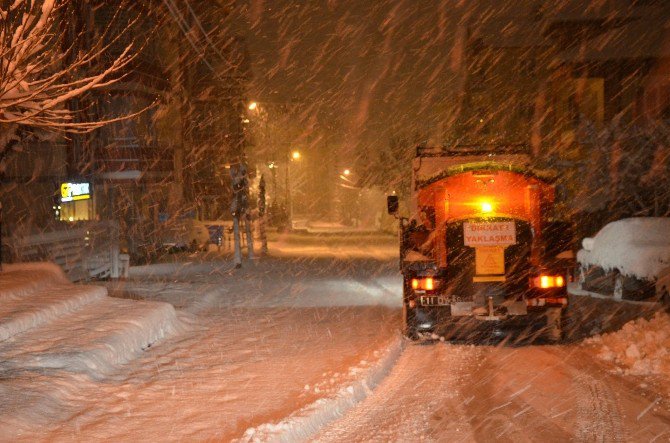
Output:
[[50, 328], [256, 345], [48, 322], [33, 295]]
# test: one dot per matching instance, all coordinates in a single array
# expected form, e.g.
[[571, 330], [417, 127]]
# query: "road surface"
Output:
[[447, 392], [303, 345]]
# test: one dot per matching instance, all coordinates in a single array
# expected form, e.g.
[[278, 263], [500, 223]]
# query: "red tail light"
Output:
[[426, 284], [548, 281]]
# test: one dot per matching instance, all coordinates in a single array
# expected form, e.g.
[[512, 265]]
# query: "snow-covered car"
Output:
[[627, 258], [186, 234]]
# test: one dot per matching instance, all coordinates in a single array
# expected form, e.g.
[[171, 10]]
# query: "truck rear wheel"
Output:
[[553, 332], [408, 326], [193, 247], [664, 299]]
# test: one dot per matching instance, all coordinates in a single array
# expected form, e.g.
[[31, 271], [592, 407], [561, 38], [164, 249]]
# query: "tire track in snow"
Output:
[[303, 424], [516, 395], [405, 406], [599, 416]]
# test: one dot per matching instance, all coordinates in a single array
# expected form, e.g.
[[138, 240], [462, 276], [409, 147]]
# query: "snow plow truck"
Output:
[[481, 248]]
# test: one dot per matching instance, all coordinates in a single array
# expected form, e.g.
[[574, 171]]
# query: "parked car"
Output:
[[627, 259], [187, 234]]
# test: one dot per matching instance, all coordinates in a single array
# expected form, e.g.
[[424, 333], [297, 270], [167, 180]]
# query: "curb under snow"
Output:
[[304, 423]]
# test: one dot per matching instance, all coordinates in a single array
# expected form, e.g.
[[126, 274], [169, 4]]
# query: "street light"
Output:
[[295, 155], [346, 176], [252, 106]]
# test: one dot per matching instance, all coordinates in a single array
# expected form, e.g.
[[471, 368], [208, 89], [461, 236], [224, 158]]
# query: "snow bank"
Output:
[[641, 347], [20, 313], [95, 339], [23, 278], [32, 294], [48, 322], [638, 247], [306, 422], [35, 266]]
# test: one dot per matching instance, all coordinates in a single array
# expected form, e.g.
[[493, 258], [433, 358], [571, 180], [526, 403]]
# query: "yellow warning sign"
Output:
[[490, 260]]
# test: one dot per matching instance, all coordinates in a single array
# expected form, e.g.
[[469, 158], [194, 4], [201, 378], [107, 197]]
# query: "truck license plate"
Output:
[[434, 300]]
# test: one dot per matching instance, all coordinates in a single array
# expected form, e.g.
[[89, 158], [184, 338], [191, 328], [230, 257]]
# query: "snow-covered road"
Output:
[[304, 345], [447, 392]]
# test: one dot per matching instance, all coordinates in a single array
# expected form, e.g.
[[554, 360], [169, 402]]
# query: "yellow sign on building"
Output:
[[75, 191]]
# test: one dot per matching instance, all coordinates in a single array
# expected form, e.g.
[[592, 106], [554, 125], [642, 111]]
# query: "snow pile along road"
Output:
[[304, 423], [23, 278], [34, 294], [641, 347], [48, 322]]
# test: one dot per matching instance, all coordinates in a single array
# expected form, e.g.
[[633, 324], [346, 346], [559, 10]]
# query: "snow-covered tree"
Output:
[[41, 71]]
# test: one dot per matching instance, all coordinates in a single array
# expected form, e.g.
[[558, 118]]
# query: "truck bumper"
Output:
[[439, 320]]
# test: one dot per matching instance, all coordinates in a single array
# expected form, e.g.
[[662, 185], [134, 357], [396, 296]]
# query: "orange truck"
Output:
[[481, 244]]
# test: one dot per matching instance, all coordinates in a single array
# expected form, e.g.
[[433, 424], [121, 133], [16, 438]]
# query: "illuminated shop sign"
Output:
[[75, 191]]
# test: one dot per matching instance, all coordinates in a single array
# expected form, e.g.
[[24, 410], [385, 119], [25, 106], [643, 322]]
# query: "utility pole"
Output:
[[292, 156], [239, 207], [273, 168], [261, 215], [289, 201], [250, 236], [0, 236]]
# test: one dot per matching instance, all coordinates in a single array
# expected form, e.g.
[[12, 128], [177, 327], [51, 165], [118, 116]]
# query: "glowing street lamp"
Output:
[[346, 172], [252, 106], [295, 155]]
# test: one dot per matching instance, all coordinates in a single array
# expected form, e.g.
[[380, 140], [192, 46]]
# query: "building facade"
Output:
[[175, 122], [585, 85]]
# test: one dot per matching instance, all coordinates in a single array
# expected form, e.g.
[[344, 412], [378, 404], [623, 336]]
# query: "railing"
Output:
[[89, 251]]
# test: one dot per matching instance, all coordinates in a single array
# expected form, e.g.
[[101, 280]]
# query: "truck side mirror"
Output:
[[392, 204]]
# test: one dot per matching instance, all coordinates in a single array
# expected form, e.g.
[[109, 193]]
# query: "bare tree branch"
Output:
[[40, 72]]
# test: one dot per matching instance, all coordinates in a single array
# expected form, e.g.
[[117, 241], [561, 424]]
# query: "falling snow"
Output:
[[195, 242]]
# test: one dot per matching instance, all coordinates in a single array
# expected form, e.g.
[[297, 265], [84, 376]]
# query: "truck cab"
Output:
[[481, 243]]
